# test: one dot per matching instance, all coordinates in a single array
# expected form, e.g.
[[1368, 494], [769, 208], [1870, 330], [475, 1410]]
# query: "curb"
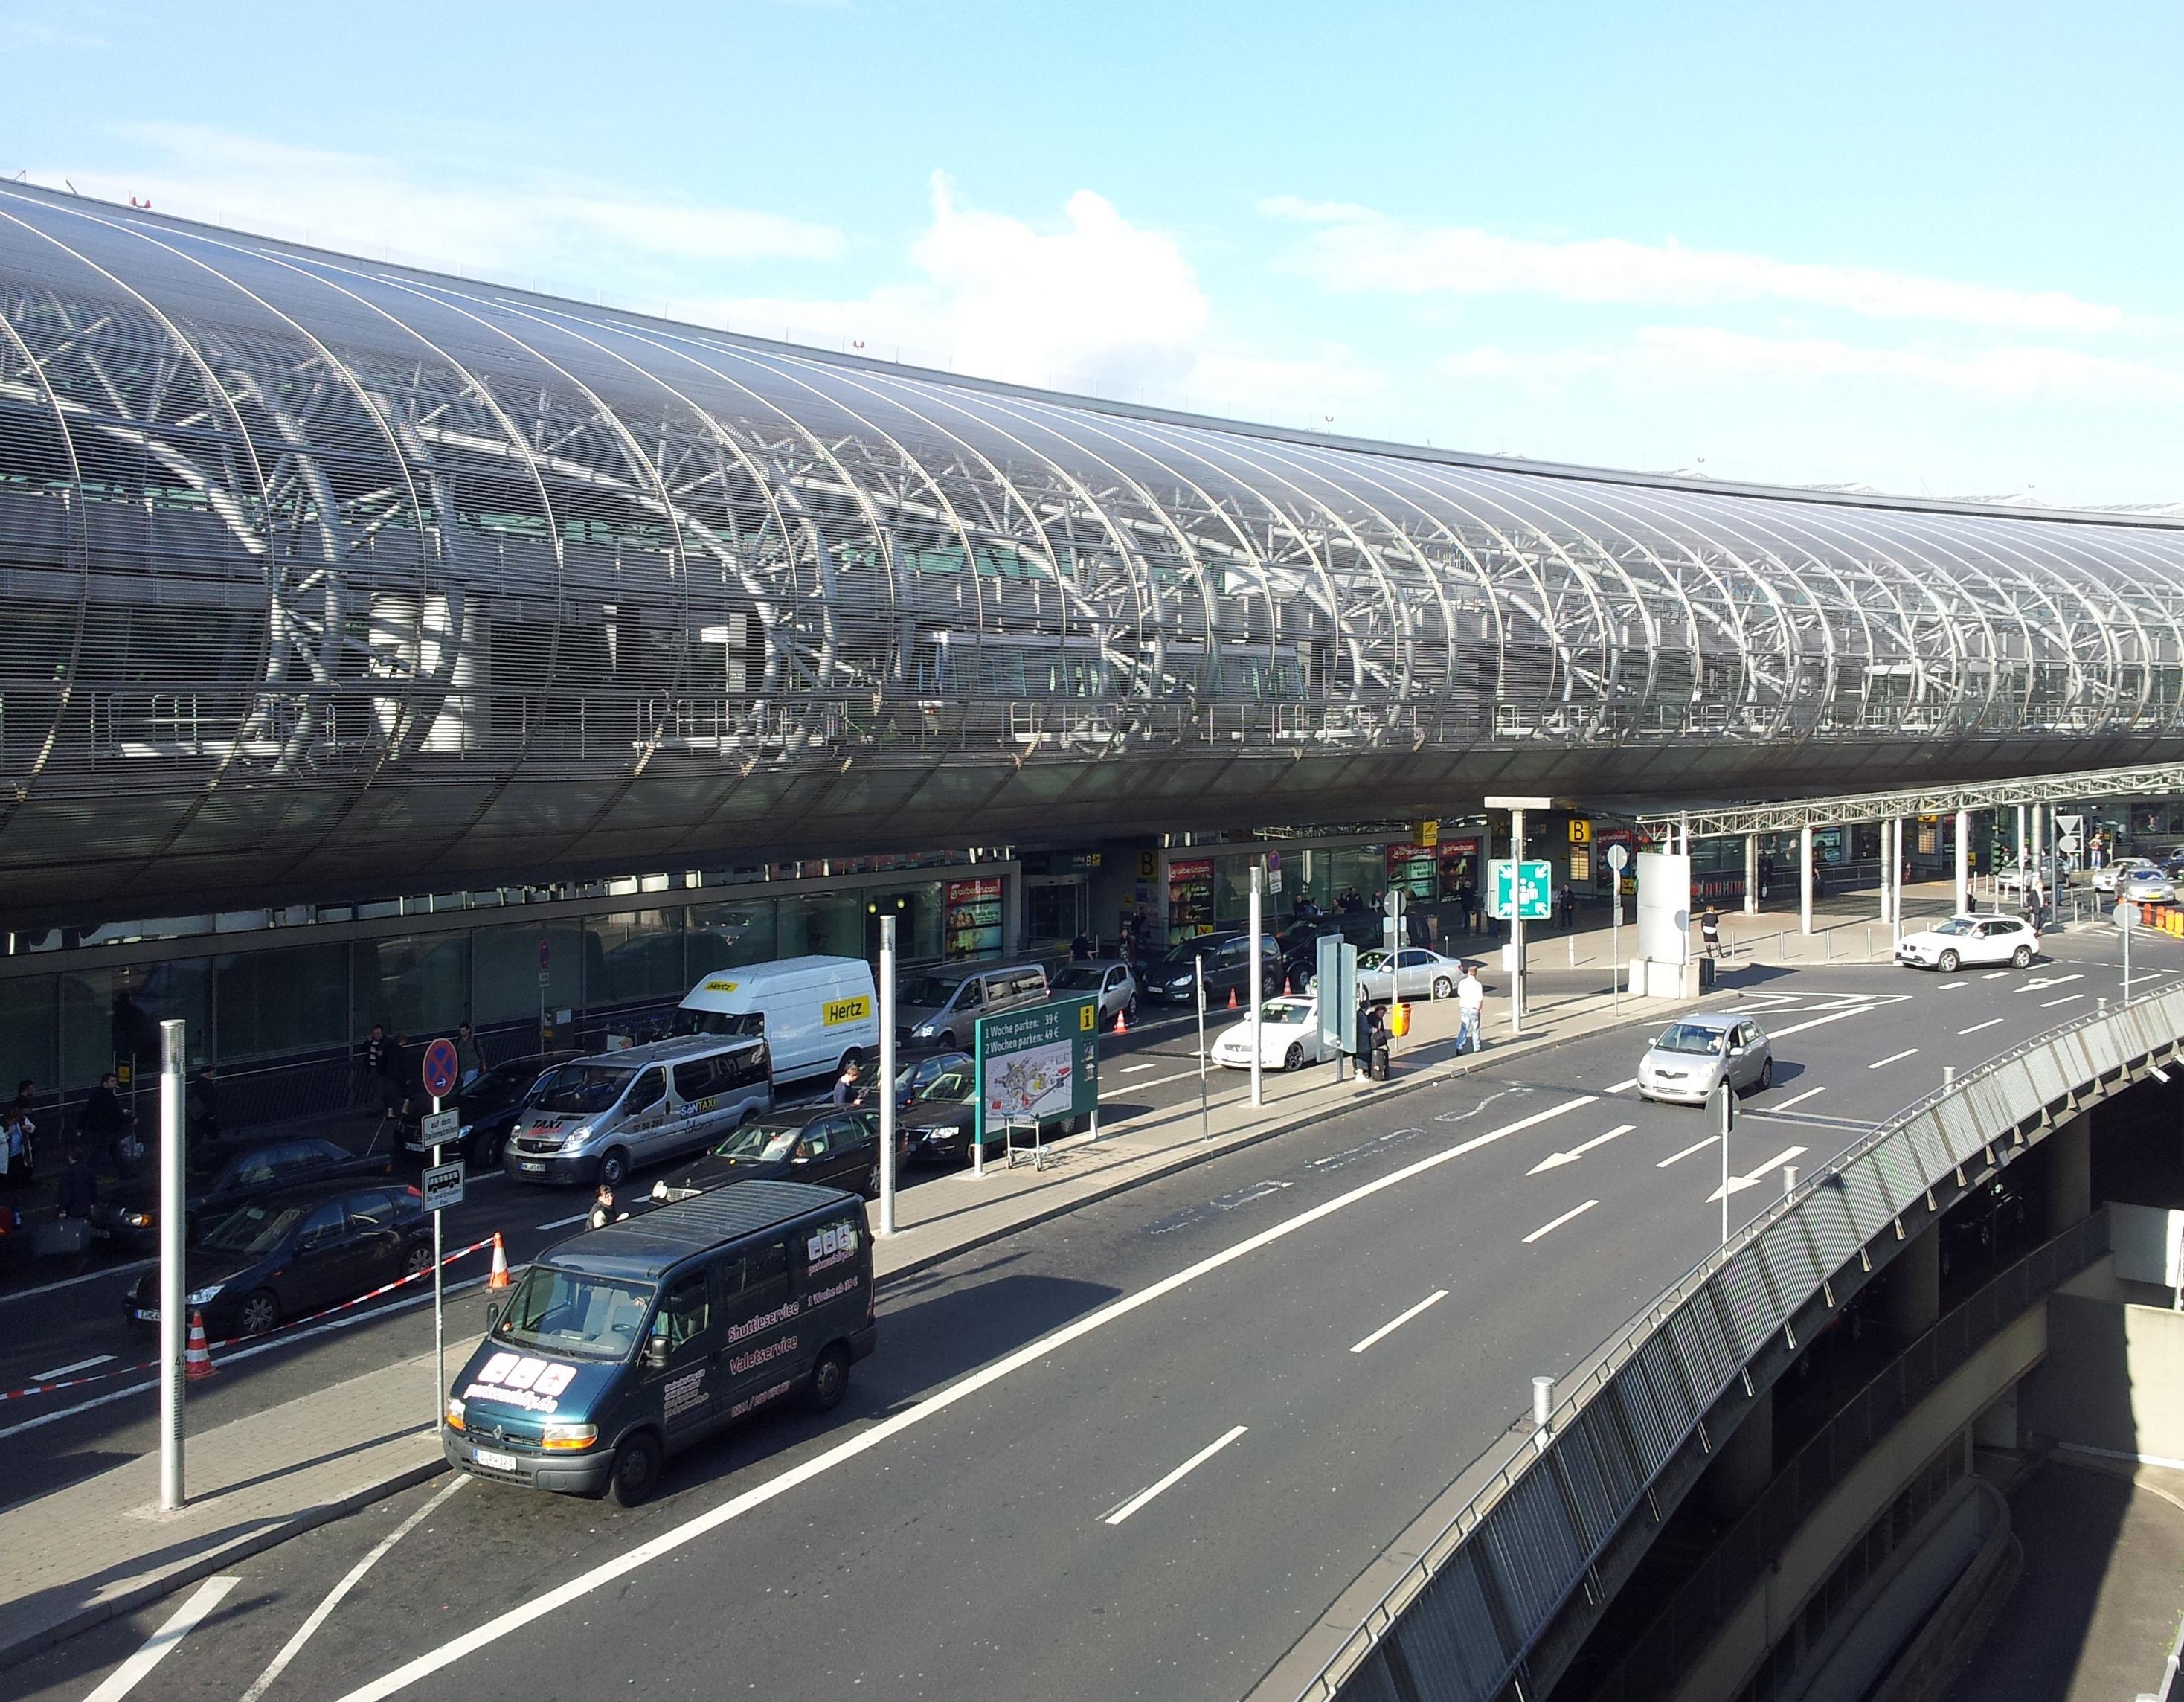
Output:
[[310, 1519]]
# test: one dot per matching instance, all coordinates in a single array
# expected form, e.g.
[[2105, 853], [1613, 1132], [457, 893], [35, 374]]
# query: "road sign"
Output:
[[438, 1127], [1040, 1065], [545, 954], [1335, 986], [1274, 872], [1581, 831], [1618, 858], [441, 1069], [1522, 890], [2125, 916], [442, 1186]]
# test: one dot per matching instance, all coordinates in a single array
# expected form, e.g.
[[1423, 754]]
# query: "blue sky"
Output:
[[1930, 249]]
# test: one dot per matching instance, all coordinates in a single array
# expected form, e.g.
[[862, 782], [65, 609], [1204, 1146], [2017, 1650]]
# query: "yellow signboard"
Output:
[[722, 986], [1581, 831], [1427, 834], [840, 1011]]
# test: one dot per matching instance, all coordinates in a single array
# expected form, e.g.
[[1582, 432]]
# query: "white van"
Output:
[[814, 1013]]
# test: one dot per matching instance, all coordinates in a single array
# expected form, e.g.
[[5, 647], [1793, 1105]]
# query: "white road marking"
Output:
[[563, 1222], [275, 1667], [2050, 1004], [1173, 1478], [1976, 1027], [134, 1670], [1620, 1086], [1947, 986], [1164, 1082], [1387, 1329], [1994, 974], [1136, 1069], [1696, 1147], [1554, 1160], [1550, 1228], [128, 1269], [1893, 1058], [63, 1370], [681, 1536], [1799, 1099], [1758, 1174], [1799, 1027], [2040, 984]]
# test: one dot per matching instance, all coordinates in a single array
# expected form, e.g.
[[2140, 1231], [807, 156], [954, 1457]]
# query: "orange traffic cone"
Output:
[[196, 1358], [1232, 998], [500, 1277], [1122, 1022], [1286, 988]]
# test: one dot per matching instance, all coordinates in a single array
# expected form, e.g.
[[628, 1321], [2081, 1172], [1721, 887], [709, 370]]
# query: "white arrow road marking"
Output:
[[1994, 974], [1696, 1147], [2040, 984], [1397, 1322], [1620, 1086], [1575, 1212], [134, 1670], [1173, 1478], [1553, 1160], [1947, 986], [1759, 1173]]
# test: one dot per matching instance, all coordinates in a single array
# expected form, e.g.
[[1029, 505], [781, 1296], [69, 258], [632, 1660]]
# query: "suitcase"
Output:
[[1380, 1063], [65, 1238]]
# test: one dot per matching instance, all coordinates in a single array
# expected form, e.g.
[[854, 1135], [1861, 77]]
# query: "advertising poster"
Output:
[[1413, 869], [1189, 897], [971, 917]]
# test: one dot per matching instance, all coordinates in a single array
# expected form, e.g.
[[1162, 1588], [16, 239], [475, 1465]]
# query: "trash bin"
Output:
[[1706, 974]]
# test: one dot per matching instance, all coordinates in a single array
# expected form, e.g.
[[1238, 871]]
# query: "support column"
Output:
[[1751, 875], [1805, 880], [1888, 859], [1963, 860], [2021, 842], [1914, 1288], [1744, 1463], [2067, 1156]]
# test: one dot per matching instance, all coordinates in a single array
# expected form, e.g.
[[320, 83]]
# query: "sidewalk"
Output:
[[100, 1548]]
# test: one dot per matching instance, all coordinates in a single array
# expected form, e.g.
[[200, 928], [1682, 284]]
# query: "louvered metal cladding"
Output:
[[321, 575], [1528, 1538]]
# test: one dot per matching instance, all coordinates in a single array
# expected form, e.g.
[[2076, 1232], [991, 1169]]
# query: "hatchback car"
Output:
[[1116, 985], [1948, 945], [1288, 1036], [130, 1218], [293, 1252], [827, 1148], [1695, 1054]]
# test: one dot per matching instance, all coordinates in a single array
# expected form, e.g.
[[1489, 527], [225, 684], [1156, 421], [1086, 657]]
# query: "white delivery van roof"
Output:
[[734, 990]]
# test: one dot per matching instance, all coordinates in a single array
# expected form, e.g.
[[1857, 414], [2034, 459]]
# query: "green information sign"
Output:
[[1040, 1065], [1533, 898]]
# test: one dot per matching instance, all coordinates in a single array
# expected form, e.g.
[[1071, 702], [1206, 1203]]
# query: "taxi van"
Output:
[[626, 1344], [595, 1119]]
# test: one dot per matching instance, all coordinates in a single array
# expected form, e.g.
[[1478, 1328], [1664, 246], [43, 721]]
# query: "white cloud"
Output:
[[1689, 357], [551, 227], [1355, 249]]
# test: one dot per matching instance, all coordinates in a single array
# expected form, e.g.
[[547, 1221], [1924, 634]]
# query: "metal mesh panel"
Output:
[[1741, 1284], [1789, 1262], [1448, 1635], [1865, 1193], [1827, 1214], [1597, 1470], [1535, 1552]]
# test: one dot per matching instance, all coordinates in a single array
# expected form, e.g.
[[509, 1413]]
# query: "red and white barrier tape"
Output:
[[385, 1288]]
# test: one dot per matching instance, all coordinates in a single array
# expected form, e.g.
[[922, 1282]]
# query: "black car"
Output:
[[1364, 930], [293, 1251], [914, 1077], [1173, 979], [936, 1126], [131, 1219], [487, 1109], [829, 1147]]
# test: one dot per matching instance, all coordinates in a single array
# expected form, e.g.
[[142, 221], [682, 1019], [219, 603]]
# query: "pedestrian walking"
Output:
[[18, 1157], [106, 1123], [469, 1061], [602, 1207], [1080, 949], [1567, 899], [201, 1107], [1471, 1010], [78, 1189], [1710, 931]]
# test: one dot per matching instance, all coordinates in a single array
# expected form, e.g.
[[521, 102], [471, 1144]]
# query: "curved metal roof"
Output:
[[318, 574]]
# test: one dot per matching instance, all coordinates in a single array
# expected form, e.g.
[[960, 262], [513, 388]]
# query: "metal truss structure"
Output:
[[2153, 780], [321, 576]]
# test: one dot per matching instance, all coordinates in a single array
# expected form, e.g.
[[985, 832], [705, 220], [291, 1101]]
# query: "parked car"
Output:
[[1414, 973], [1173, 979], [293, 1252], [487, 1110], [1948, 945], [2106, 877], [1366, 929], [941, 1008], [129, 1218], [936, 1127], [2043, 874], [826, 1148], [1694, 1054], [1116, 985], [914, 1077], [1288, 1036]]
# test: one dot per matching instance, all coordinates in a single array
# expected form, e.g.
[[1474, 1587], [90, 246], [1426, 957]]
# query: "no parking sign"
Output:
[[440, 1069]]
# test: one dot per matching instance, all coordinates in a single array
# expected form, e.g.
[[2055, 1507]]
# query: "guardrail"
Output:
[[1469, 1609]]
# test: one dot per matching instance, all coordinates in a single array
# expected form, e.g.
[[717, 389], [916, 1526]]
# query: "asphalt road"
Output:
[[1330, 1327]]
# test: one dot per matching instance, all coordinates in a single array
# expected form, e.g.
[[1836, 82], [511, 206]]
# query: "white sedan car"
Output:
[[1414, 973], [1288, 1036], [2109, 874], [1949, 945]]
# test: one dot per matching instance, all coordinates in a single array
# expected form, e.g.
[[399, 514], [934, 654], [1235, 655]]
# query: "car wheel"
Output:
[[613, 1167], [1294, 1058], [947, 1041], [830, 1381], [636, 1471], [2021, 958], [418, 1260], [1443, 988], [871, 1190], [1767, 1075], [856, 1055], [1947, 962], [258, 1313]]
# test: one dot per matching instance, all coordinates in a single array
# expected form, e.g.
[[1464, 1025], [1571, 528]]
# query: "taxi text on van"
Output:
[[626, 1344], [597, 1119]]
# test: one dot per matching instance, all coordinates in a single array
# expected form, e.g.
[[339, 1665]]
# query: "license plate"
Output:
[[147, 1315], [493, 1461], [527, 1165]]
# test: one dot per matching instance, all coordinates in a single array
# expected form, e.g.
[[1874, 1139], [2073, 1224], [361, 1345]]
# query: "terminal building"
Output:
[[346, 610]]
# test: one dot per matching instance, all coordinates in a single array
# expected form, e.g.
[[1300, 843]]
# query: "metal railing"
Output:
[[1496, 1573]]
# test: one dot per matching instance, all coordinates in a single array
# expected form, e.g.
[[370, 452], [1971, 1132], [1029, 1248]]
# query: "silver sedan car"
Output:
[[1691, 1057]]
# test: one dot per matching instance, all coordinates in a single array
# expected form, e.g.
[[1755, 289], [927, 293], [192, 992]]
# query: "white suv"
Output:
[[1965, 940]]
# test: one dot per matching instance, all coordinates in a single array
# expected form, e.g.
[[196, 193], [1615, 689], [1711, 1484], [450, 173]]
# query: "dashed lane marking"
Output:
[[1549, 1228], [1893, 1058], [1784, 1105], [1397, 1322], [1173, 1478], [77, 1365], [2050, 1004], [1990, 1022], [1696, 1147]]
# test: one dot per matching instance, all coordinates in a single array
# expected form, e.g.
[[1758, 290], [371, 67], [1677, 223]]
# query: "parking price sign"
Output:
[[1522, 890], [1040, 1065]]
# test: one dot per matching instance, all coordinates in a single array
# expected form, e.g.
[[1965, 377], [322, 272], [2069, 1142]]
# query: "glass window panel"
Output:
[[29, 1033], [723, 935], [270, 1002], [107, 1014], [507, 971], [419, 985], [917, 912], [632, 956], [826, 925]]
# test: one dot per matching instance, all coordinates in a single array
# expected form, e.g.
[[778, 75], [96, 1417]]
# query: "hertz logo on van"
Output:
[[722, 986], [842, 1011]]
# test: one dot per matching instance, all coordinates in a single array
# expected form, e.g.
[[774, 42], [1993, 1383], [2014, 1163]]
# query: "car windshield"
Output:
[[582, 1087], [1689, 1037], [1285, 1011], [1084, 977], [953, 1088], [1955, 924], [931, 991], [255, 1230], [585, 1317], [763, 1137]]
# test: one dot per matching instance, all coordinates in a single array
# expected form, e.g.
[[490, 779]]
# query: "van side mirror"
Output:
[[494, 1308], [655, 1354]]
